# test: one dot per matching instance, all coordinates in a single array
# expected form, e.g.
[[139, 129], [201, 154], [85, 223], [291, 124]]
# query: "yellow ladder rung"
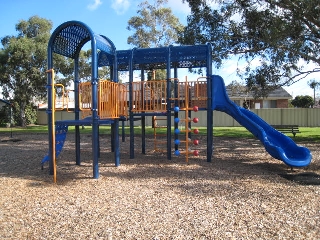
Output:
[[185, 141], [186, 152], [185, 130]]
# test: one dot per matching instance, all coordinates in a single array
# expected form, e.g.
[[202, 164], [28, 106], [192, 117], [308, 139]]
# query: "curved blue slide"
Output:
[[276, 144]]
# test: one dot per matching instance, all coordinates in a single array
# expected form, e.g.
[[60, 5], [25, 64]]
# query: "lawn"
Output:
[[307, 133]]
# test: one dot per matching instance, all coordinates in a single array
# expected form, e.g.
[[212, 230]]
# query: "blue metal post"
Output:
[[77, 109], [123, 132], [95, 117], [49, 109], [176, 114], [143, 118], [209, 104], [131, 105], [168, 103]]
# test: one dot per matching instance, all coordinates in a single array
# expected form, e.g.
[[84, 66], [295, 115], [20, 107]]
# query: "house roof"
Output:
[[279, 93]]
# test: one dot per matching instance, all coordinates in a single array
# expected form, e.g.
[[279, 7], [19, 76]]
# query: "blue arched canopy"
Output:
[[70, 37]]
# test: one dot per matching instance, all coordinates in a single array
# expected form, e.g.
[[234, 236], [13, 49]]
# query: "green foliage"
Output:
[[155, 26], [314, 85], [23, 65], [30, 114], [4, 115], [279, 33], [302, 101]]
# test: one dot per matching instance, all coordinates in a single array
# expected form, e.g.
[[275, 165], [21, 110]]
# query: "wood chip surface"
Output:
[[241, 194]]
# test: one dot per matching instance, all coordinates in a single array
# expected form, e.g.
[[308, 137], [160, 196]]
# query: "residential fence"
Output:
[[304, 117]]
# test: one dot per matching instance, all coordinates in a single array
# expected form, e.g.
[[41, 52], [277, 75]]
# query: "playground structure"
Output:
[[108, 102]]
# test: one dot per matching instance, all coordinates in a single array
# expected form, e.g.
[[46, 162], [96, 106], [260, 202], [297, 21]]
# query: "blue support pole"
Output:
[[168, 103], [123, 132], [176, 114], [209, 104], [95, 117], [77, 109], [131, 120], [116, 143], [49, 109], [143, 118]]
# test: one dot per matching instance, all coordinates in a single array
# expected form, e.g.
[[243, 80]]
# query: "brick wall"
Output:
[[282, 103]]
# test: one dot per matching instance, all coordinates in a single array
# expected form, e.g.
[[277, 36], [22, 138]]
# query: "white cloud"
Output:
[[93, 6], [120, 6], [179, 6]]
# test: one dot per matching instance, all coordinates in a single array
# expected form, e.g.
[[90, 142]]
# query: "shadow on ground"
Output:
[[306, 178]]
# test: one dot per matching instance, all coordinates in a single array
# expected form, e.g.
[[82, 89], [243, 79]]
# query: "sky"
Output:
[[110, 18]]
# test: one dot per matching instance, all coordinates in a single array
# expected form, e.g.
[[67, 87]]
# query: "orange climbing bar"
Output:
[[53, 139]]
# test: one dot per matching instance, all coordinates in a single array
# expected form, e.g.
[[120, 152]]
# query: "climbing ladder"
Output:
[[159, 137], [188, 94]]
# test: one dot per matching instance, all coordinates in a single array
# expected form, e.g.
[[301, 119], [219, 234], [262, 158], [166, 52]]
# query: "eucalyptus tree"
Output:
[[154, 26], [281, 34], [23, 65]]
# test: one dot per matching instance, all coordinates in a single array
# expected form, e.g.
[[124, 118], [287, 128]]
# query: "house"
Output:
[[278, 98]]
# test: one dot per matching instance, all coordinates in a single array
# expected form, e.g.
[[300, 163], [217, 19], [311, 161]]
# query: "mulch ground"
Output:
[[243, 193]]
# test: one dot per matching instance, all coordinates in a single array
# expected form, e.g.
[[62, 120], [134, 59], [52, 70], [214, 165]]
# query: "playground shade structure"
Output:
[[276, 144]]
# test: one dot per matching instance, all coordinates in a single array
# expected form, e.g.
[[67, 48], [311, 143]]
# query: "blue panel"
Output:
[[123, 58], [189, 56], [156, 58], [105, 59]]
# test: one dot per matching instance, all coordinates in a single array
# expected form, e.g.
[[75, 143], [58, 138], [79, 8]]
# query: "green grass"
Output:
[[307, 134]]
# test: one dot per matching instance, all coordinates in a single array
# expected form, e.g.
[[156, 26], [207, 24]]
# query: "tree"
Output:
[[237, 89], [279, 33], [314, 84], [302, 101], [155, 26], [23, 65]]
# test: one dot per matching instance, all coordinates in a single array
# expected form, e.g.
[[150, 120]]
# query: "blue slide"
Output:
[[276, 144]]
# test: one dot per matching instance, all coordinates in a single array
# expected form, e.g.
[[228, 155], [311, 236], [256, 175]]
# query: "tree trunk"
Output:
[[23, 119]]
